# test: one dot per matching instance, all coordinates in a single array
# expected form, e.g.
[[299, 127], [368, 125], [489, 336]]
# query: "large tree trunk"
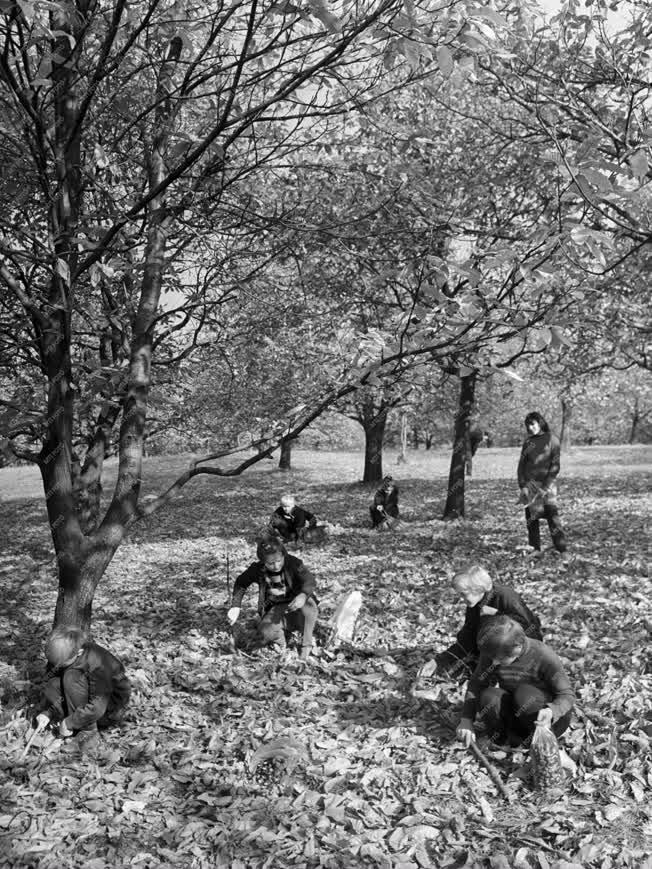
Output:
[[374, 434], [87, 481], [83, 558], [285, 460], [566, 417], [454, 508], [78, 579]]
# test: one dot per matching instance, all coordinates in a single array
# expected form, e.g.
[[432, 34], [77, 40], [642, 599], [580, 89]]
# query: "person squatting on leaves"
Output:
[[518, 683], [483, 598], [385, 504], [290, 521], [86, 686], [537, 469], [286, 596]]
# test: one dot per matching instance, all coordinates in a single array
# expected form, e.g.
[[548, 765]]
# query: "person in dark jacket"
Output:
[[518, 683], [537, 471], [290, 521], [286, 596], [483, 598], [476, 437], [385, 505], [86, 686]]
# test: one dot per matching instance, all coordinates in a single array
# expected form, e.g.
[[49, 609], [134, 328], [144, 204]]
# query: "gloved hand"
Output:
[[232, 614], [42, 721], [297, 602], [64, 729], [465, 732]]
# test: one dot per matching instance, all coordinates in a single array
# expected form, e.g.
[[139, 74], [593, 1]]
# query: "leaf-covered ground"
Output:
[[236, 760]]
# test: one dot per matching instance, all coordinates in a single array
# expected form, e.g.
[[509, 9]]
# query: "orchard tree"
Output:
[[440, 254], [370, 406], [131, 135]]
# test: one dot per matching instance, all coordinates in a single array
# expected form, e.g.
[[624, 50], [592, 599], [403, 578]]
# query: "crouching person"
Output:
[[290, 521], [483, 598], [384, 510], [518, 683], [86, 686], [286, 597]]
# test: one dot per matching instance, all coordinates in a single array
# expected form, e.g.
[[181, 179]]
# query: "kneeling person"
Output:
[[286, 599], [483, 598], [384, 509], [518, 683], [87, 685], [290, 521]]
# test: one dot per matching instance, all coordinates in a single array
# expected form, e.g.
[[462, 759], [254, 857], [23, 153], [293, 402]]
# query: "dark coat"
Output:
[[537, 666], [476, 436], [539, 461], [294, 579], [508, 603], [387, 500], [108, 686], [289, 527]]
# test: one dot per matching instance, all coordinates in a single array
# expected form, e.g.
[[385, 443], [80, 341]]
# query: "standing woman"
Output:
[[537, 469]]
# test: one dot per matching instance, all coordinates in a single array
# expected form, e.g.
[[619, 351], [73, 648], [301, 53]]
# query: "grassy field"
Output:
[[240, 761]]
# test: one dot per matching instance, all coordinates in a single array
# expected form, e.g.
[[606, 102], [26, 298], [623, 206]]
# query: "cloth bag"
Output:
[[540, 498]]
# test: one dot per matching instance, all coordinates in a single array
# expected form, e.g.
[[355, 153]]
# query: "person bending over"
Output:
[[86, 686], [518, 683], [483, 597], [286, 597]]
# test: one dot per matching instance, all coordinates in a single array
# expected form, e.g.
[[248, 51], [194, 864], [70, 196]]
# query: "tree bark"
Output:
[[454, 508], [374, 433], [566, 417], [83, 558], [79, 577], [415, 438], [87, 481]]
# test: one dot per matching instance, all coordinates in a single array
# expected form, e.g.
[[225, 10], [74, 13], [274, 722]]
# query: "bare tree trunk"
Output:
[[427, 439], [82, 559], [374, 433], [415, 438], [88, 482], [79, 577], [566, 417], [454, 508]]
